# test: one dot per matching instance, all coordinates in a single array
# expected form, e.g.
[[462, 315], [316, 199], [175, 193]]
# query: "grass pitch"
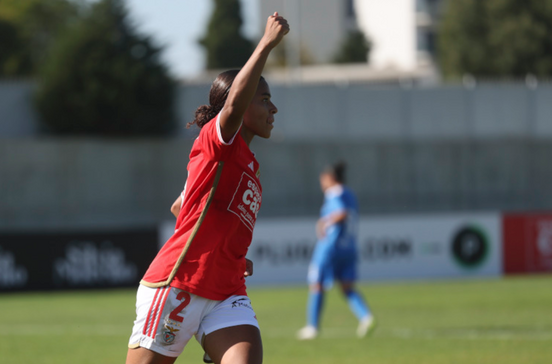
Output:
[[506, 321]]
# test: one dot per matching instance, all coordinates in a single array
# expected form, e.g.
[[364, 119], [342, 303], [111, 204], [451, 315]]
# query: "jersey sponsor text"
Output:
[[246, 201]]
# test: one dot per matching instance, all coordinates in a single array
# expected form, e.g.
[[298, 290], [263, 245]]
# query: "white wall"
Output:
[[391, 26], [17, 116], [320, 24]]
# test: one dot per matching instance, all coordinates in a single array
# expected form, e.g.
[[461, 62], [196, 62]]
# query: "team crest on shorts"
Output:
[[169, 334]]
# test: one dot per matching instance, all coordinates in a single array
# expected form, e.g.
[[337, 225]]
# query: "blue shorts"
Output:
[[327, 265]]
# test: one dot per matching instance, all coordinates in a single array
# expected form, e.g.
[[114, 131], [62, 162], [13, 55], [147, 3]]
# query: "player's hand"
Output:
[[276, 28], [321, 228], [248, 268]]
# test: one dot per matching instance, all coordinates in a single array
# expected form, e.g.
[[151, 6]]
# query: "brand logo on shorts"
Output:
[[242, 302]]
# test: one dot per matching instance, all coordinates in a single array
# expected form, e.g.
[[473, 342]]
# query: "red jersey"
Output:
[[221, 199]]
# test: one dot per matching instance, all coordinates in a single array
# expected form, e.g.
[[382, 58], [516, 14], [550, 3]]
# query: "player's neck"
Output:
[[334, 187], [247, 136]]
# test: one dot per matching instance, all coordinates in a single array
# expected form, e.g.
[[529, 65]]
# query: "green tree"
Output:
[[354, 49], [224, 43], [496, 38], [28, 29], [103, 78], [14, 60]]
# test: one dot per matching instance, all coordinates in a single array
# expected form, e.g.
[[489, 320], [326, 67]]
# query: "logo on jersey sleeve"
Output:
[[246, 201]]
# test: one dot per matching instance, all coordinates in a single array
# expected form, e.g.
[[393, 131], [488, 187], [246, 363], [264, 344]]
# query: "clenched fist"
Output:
[[276, 28]]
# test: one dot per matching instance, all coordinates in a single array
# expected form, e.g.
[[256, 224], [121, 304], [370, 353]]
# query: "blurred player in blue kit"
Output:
[[335, 254]]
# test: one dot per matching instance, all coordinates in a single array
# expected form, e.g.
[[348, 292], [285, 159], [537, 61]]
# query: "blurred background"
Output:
[[441, 109]]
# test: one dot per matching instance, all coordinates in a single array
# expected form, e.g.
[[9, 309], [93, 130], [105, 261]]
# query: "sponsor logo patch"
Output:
[[246, 201]]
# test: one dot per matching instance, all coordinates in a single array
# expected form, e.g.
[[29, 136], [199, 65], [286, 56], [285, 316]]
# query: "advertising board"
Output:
[[527, 243], [390, 247], [75, 260]]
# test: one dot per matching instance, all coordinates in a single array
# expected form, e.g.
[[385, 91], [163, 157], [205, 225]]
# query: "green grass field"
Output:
[[506, 321]]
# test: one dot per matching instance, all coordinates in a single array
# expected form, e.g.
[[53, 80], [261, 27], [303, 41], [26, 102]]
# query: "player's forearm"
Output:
[[326, 222], [339, 217], [176, 206], [245, 85], [335, 218]]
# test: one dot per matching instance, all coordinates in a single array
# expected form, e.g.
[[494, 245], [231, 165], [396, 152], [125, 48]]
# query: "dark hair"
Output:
[[217, 97], [337, 171]]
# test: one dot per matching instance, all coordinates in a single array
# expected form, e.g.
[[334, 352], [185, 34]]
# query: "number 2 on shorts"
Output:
[[185, 298]]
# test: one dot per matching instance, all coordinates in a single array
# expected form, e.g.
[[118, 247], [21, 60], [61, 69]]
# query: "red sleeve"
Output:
[[212, 145]]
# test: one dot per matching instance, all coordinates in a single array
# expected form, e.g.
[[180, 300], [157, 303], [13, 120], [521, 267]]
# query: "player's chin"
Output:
[[267, 132], [266, 135]]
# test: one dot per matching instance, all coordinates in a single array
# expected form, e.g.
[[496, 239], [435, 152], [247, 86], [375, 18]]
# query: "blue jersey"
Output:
[[341, 236], [335, 254]]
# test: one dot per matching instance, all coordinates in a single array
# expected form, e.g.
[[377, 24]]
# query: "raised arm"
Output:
[[245, 84]]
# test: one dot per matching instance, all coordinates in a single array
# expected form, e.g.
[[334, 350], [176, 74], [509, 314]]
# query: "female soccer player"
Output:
[[335, 254], [195, 286]]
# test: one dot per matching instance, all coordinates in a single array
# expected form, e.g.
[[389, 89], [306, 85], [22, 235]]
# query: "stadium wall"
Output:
[[17, 115], [367, 112], [56, 184], [410, 151]]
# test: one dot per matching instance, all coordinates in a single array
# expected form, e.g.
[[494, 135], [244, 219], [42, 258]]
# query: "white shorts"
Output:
[[168, 317]]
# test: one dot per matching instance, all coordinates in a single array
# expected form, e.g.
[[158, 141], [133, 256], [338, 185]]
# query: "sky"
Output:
[[178, 24]]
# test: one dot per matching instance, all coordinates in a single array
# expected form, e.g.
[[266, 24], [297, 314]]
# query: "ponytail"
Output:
[[217, 97], [203, 115]]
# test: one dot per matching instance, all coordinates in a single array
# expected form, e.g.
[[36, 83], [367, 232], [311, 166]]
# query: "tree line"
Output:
[[98, 75]]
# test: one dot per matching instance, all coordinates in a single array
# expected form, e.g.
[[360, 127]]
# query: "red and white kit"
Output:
[[167, 318], [223, 185], [220, 205], [203, 263]]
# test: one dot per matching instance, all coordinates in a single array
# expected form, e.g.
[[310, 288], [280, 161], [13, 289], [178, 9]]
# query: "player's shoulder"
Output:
[[208, 130], [348, 197], [334, 192], [348, 192]]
